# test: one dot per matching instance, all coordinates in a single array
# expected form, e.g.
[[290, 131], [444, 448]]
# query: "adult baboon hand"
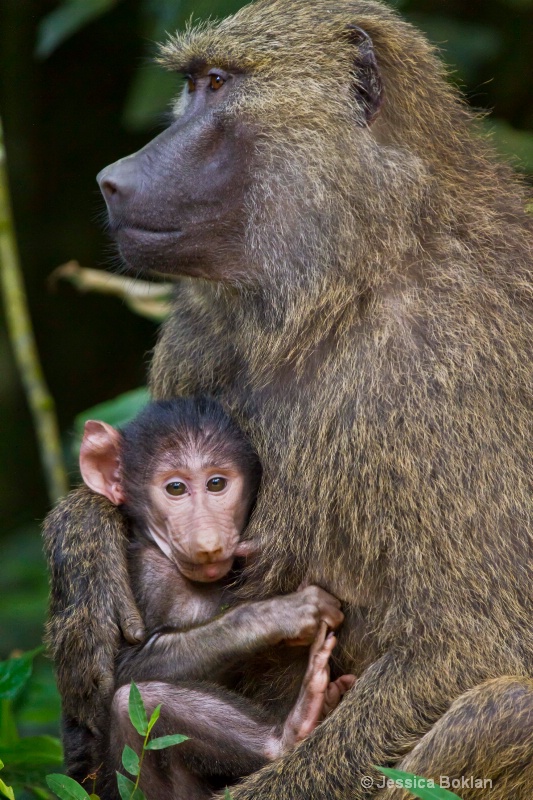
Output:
[[305, 610]]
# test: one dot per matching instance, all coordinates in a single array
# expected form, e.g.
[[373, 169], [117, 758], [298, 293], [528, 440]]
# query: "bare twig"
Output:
[[23, 342], [146, 298]]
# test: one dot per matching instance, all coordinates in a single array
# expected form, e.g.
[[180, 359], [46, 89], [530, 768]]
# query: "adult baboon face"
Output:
[[176, 205], [241, 182]]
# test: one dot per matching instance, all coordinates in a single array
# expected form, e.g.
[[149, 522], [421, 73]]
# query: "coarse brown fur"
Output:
[[86, 540], [378, 352]]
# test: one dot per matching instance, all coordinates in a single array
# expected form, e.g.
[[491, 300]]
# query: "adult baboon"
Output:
[[359, 297]]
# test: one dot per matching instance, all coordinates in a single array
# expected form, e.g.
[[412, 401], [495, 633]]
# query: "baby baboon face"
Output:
[[185, 475], [196, 514]]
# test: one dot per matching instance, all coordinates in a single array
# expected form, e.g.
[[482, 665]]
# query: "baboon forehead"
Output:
[[299, 33]]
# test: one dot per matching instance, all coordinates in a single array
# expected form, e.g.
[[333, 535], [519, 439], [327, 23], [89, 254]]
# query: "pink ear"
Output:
[[100, 460]]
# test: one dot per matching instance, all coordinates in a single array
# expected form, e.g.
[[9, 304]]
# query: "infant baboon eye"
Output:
[[176, 488], [216, 82], [216, 484], [191, 85]]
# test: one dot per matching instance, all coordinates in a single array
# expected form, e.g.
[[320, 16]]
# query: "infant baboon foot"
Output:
[[318, 696]]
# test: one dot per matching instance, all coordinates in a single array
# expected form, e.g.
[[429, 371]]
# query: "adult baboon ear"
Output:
[[100, 460], [367, 79]]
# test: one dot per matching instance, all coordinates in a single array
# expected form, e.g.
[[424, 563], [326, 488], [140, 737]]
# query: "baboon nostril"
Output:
[[113, 183], [109, 188]]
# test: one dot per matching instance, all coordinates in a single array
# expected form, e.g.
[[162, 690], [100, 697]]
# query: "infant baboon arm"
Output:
[[203, 651]]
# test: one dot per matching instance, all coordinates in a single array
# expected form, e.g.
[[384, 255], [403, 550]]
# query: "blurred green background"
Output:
[[77, 91]]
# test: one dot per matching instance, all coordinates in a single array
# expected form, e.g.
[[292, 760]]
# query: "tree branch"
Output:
[[23, 342]]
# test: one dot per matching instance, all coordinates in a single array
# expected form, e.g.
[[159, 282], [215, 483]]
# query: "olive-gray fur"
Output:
[[378, 351]]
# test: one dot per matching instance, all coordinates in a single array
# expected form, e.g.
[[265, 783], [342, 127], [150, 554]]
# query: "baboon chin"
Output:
[[367, 319]]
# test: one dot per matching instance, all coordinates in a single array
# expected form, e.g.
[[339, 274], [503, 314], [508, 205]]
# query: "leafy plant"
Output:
[[5, 790], [410, 782], [130, 760], [116, 412], [67, 19], [29, 757], [152, 88], [68, 789]]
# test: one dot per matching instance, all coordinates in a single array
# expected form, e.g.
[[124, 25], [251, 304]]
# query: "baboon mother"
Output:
[[356, 289]]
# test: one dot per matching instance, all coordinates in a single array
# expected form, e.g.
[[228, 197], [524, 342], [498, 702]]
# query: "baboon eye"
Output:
[[191, 85], [176, 488], [216, 484], [216, 81]]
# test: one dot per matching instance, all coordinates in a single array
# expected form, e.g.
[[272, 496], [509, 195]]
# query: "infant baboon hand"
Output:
[[311, 606], [247, 549]]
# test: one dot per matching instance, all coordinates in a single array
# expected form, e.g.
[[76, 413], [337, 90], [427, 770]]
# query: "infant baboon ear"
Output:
[[100, 460], [366, 76]]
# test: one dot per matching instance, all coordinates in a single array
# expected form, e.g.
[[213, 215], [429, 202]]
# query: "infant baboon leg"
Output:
[[229, 737], [485, 736], [318, 696]]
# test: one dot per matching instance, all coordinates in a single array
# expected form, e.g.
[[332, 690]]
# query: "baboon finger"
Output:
[[132, 627], [320, 638], [332, 616], [345, 682], [247, 549]]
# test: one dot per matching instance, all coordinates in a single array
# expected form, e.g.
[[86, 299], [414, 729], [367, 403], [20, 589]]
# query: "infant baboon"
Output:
[[186, 478]]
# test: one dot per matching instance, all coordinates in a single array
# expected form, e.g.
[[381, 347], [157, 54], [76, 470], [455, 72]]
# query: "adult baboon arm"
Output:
[[392, 705], [91, 601]]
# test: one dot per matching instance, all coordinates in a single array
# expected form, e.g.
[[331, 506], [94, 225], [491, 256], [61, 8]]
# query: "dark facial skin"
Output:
[[176, 205]]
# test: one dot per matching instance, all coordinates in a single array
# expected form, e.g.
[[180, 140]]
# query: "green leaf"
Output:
[[149, 96], [227, 795], [7, 791], [137, 711], [32, 751], [466, 45], [166, 741], [127, 789], [39, 791], [14, 674], [411, 783], [40, 703], [130, 760], [66, 788], [116, 412], [65, 20], [94, 797], [155, 716], [8, 727]]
